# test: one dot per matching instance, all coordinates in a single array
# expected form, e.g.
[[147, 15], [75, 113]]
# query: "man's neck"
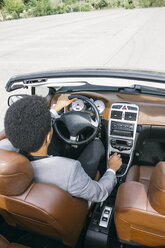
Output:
[[42, 152]]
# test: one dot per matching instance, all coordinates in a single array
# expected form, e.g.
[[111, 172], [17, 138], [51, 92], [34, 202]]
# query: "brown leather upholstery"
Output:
[[39, 207], [136, 220], [157, 188], [4, 243], [141, 174], [16, 173]]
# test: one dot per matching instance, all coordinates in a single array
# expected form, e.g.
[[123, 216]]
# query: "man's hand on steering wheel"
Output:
[[76, 121], [62, 102]]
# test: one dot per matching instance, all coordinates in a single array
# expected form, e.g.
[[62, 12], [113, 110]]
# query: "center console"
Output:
[[121, 139], [100, 225], [122, 132]]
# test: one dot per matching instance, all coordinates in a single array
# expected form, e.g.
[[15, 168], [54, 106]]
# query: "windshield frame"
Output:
[[41, 78]]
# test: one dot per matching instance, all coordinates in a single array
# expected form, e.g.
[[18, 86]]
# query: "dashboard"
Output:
[[151, 108]]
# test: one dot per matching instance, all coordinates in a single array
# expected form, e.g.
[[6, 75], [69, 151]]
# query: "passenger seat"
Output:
[[140, 206]]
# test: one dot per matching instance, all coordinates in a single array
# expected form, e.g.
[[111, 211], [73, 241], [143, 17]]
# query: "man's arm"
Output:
[[81, 185], [61, 103]]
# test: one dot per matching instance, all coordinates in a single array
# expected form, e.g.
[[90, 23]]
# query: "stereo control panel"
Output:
[[122, 130]]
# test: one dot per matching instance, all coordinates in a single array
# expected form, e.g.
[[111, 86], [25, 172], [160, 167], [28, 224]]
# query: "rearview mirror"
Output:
[[15, 98]]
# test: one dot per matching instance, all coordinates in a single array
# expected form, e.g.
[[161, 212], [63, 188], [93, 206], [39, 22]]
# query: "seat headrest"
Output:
[[157, 188], [16, 173]]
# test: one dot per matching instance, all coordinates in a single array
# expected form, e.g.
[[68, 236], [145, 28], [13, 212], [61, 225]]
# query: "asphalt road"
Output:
[[110, 38]]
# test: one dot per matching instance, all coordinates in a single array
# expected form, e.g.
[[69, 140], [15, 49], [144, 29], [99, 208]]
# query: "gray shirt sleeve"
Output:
[[6, 145], [81, 185]]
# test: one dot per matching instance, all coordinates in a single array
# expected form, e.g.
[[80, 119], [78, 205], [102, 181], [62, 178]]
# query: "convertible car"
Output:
[[126, 111]]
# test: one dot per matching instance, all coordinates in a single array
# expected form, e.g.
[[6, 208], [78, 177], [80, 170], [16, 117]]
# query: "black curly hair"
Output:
[[27, 122]]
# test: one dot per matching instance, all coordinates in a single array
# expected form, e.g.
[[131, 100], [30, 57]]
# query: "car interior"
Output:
[[129, 122]]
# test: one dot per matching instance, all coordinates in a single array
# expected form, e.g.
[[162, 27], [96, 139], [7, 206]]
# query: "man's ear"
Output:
[[49, 136]]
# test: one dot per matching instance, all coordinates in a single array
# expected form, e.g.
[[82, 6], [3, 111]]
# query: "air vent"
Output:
[[116, 115], [116, 106], [129, 116]]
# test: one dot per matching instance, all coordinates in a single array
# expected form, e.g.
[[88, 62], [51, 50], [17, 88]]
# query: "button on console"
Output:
[[104, 219]]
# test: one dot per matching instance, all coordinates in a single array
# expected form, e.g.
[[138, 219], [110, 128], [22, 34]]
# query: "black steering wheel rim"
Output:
[[94, 125]]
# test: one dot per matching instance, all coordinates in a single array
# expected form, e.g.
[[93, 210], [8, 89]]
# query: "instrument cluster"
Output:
[[80, 105]]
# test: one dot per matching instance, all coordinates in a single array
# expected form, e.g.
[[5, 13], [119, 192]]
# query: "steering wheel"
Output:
[[77, 122]]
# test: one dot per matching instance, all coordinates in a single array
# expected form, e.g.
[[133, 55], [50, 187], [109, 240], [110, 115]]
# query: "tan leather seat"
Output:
[[140, 206], [39, 207], [4, 243]]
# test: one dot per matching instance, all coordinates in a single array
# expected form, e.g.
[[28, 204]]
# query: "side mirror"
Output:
[[15, 98]]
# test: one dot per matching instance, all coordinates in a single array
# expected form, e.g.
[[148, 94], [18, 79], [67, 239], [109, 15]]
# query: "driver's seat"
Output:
[[39, 207]]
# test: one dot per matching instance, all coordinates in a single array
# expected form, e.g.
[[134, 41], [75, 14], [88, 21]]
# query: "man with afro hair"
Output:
[[28, 128], [27, 123]]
